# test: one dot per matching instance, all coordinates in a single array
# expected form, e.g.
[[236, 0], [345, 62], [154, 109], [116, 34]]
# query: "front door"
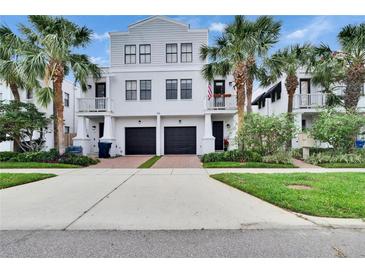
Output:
[[305, 91], [100, 94], [219, 90], [101, 130], [218, 134]]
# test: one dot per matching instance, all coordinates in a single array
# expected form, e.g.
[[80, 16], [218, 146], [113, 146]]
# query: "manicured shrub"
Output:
[[281, 157], [39, 156], [231, 156], [7, 155], [324, 158], [338, 129], [69, 158], [265, 135]]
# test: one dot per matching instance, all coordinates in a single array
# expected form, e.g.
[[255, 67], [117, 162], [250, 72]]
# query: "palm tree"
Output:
[[235, 53], [352, 41], [327, 72], [10, 71], [51, 58], [285, 62], [265, 33]]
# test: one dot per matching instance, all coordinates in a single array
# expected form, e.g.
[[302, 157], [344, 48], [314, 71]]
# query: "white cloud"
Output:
[[312, 31], [193, 21], [217, 26], [100, 37], [101, 61]]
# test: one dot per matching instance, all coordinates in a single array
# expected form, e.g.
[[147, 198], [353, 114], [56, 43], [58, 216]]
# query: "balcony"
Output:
[[98, 104], [221, 102], [309, 101]]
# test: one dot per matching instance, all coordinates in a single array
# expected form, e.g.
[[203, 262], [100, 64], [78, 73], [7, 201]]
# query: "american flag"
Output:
[[210, 93]]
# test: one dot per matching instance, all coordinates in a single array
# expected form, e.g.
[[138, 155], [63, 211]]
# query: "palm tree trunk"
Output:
[[249, 83], [58, 105], [55, 129], [291, 84], [249, 87], [15, 91], [354, 81], [239, 78]]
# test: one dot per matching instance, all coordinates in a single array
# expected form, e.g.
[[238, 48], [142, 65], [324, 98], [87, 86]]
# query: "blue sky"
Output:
[[295, 29]]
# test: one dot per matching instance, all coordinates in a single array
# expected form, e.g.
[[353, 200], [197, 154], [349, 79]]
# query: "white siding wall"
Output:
[[69, 112], [158, 33]]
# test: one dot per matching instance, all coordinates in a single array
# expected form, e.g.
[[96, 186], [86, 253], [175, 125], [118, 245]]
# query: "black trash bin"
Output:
[[104, 149]]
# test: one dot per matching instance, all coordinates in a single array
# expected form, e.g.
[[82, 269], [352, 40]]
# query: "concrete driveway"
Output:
[[137, 200], [146, 199], [178, 161]]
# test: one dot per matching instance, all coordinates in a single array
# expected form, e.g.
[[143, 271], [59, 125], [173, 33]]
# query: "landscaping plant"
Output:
[[337, 129], [19, 122], [265, 135]]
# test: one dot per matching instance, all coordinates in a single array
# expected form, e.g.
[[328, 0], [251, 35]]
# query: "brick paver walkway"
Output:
[[302, 164], [178, 161], [122, 162]]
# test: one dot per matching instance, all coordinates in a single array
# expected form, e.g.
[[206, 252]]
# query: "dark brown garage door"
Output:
[[140, 140], [180, 140]]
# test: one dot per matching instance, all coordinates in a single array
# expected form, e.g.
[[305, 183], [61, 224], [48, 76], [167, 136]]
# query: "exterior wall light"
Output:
[[228, 125]]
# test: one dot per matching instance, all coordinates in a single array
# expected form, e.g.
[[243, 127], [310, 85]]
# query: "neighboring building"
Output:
[[153, 99], [308, 101], [70, 92]]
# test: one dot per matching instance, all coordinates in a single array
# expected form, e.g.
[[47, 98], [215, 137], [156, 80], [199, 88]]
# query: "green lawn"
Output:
[[150, 162], [35, 165], [14, 179], [245, 165], [332, 195], [342, 165]]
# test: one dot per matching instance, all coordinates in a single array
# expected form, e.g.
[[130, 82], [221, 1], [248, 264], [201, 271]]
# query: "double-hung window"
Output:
[[171, 89], [145, 90], [185, 88], [171, 53], [66, 100], [130, 54], [186, 52], [131, 90], [145, 54]]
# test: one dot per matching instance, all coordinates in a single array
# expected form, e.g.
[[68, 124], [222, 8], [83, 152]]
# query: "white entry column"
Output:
[[108, 136], [158, 134], [208, 139], [81, 138]]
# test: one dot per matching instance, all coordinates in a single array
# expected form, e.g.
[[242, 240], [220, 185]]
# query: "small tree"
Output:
[[266, 135], [338, 129], [19, 122]]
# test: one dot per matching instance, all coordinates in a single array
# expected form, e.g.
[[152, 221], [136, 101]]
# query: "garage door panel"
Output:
[[140, 140], [180, 140]]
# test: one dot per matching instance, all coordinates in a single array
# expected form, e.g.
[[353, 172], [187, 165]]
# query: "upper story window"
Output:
[[171, 89], [145, 54], [66, 100], [145, 90], [186, 52], [171, 53], [131, 90], [29, 94], [305, 86], [130, 54], [67, 129], [186, 89], [100, 90]]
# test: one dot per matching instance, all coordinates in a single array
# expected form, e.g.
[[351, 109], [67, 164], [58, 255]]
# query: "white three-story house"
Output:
[[153, 98], [308, 101]]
